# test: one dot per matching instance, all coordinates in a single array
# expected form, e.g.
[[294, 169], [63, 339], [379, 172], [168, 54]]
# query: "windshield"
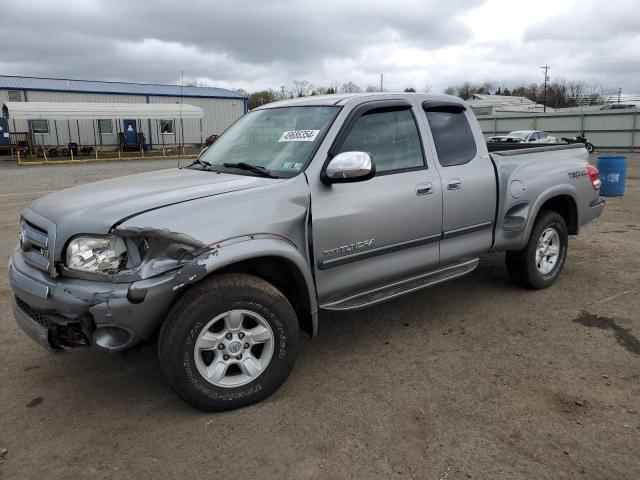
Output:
[[280, 140], [520, 134]]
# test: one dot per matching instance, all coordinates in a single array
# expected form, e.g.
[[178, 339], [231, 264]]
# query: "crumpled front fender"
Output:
[[228, 252]]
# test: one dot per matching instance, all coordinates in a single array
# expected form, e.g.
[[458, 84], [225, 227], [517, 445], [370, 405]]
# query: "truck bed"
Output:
[[527, 178]]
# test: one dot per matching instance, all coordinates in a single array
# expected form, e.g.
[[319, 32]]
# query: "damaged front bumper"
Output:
[[68, 312]]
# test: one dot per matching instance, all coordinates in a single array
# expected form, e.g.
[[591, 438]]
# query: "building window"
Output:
[[105, 127], [40, 126], [166, 127], [15, 96]]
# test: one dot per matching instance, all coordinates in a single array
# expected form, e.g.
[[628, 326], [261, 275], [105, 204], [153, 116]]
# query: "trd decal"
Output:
[[578, 174]]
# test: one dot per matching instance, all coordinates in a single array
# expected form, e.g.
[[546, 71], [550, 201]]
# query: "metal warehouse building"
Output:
[[220, 108]]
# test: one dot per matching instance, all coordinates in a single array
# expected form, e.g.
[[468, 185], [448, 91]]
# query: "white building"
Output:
[[490, 104], [220, 108]]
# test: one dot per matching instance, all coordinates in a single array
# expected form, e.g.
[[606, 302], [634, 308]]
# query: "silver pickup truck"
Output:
[[322, 203]]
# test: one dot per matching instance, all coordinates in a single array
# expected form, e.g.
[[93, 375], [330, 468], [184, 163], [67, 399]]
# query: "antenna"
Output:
[[180, 114]]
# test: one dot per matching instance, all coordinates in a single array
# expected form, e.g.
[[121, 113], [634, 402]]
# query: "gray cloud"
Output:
[[258, 44]]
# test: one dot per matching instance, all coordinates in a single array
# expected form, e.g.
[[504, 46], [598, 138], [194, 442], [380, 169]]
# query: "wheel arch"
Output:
[[272, 258], [566, 206], [561, 199]]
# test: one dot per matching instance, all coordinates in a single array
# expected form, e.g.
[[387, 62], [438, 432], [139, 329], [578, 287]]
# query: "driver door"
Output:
[[374, 232]]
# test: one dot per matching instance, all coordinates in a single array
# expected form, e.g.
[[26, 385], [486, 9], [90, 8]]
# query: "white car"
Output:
[[525, 136]]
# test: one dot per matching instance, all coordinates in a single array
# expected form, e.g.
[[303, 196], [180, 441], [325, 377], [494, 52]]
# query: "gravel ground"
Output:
[[471, 379]]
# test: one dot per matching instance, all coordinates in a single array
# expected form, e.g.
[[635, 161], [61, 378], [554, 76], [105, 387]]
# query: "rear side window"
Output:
[[390, 136], [452, 135]]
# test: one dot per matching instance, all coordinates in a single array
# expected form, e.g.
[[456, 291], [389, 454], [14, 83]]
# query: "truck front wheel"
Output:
[[539, 264], [229, 342]]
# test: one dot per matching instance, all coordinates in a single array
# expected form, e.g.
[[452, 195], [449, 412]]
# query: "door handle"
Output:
[[424, 189], [454, 184]]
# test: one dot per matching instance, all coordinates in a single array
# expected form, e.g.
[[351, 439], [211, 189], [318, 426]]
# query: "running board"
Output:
[[396, 289]]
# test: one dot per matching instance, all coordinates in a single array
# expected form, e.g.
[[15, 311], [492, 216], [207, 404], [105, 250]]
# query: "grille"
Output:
[[34, 243], [37, 315], [59, 335]]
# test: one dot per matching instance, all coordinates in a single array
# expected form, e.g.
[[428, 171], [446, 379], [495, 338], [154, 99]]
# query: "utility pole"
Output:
[[546, 78], [282, 90], [382, 82], [619, 92]]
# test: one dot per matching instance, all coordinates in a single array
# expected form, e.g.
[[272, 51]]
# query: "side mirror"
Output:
[[349, 167]]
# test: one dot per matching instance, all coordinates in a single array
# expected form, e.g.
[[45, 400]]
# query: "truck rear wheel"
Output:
[[539, 264], [229, 342]]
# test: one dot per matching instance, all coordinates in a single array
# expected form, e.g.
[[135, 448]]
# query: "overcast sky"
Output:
[[258, 44]]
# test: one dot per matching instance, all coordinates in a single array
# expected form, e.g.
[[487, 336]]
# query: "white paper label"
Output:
[[6, 135], [299, 136]]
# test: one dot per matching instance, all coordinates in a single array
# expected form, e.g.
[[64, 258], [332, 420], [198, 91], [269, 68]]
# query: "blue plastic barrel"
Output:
[[613, 173]]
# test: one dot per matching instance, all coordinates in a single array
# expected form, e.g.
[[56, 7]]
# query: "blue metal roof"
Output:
[[124, 88]]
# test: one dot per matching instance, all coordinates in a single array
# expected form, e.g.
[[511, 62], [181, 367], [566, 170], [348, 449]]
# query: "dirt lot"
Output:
[[471, 379]]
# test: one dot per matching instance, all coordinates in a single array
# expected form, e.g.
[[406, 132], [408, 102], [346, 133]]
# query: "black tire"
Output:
[[521, 265], [205, 301], [590, 147]]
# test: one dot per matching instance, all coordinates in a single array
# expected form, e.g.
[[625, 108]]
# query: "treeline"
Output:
[[303, 88], [560, 93]]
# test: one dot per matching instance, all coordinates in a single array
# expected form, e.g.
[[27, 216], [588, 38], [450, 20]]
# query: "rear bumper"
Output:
[[66, 312]]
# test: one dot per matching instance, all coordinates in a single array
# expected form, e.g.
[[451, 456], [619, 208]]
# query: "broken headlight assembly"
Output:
[[99, 254]]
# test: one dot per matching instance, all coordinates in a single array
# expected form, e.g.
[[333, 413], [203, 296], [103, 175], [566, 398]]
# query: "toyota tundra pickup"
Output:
[[336, 202]]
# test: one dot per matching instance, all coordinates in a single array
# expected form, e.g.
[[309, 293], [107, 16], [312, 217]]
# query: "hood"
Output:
[[96, 207]]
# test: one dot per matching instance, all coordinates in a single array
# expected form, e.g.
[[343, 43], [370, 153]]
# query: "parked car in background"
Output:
[[525, 136], [619, 106]]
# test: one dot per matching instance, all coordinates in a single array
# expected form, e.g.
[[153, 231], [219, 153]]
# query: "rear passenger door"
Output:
[[468, 182]]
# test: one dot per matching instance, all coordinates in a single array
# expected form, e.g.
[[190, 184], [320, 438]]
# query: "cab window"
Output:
[[452, 135], [390, 136]]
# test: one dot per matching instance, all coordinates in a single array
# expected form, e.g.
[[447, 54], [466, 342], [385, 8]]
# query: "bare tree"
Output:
[[350, 87], [450, 91], [594, 95], [372, 88], [465, 90], [301, 88], [487, 88], [263, 96], [426, 88]]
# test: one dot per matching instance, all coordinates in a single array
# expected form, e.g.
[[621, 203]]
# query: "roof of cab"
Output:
[[344, 98]]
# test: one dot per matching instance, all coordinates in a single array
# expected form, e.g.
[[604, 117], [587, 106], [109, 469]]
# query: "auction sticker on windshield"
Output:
[[299, 136]]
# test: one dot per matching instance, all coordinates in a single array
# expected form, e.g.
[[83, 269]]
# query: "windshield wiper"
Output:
[[204, 163], [252, 168]]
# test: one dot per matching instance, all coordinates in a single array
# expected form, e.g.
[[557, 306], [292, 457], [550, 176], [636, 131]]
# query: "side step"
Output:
[[387, 292]]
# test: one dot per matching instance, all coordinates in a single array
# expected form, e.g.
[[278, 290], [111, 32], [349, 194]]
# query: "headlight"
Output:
[[96, 254]]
